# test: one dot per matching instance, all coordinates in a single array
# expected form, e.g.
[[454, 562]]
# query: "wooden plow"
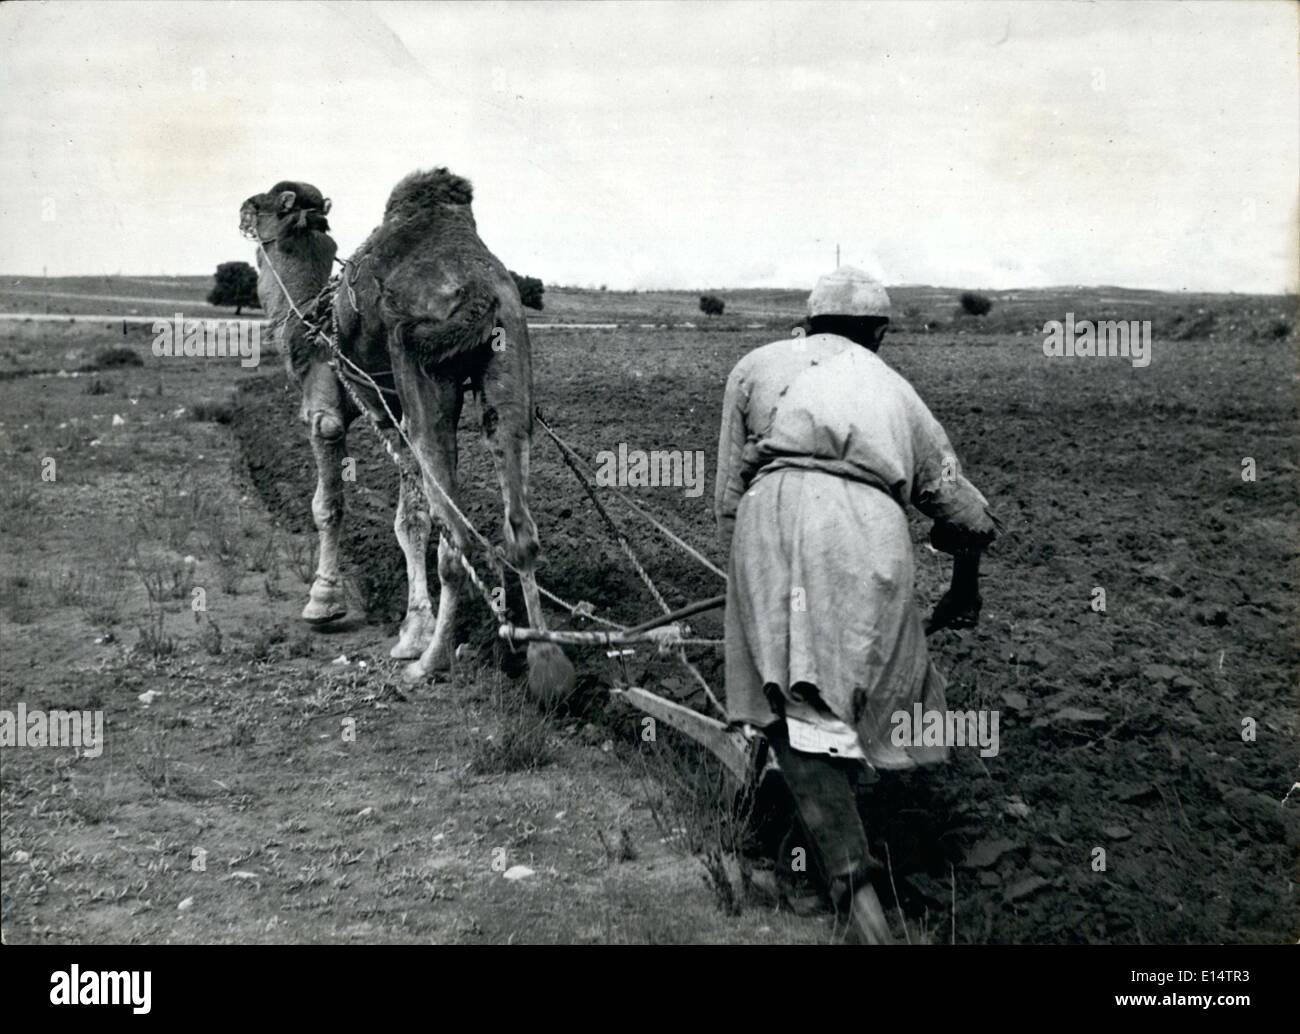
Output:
[[665, 631], [740, 751], [669, 633]]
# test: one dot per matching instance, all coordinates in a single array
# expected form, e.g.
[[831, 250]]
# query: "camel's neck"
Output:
[[303, 261], [304, 253]]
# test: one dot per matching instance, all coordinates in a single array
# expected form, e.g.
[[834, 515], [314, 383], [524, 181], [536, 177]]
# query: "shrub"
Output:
[[711, 305], [154, 641], [210, 412], [530, 290], [1197, 325], [975, 304], [109, 358], [210, 638]]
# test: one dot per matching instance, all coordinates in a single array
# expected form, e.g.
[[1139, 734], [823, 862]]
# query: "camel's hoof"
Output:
[[419, 671], [415, 636], [550, 675], [407, 648], [325, 603]]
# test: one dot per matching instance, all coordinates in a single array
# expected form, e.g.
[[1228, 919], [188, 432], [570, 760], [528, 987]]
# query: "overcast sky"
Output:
[[674, 145]]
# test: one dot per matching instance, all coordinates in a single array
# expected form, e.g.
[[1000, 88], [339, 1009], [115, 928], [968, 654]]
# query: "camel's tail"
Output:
[[433, 342]]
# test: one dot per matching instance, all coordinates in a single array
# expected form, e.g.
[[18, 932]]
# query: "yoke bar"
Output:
[[669, 634]]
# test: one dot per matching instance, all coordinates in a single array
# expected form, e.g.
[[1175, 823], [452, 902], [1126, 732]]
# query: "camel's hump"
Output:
[[425, 191]]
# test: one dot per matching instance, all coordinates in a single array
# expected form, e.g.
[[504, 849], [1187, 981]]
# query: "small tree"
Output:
[[530, 290], [711, 305], [974, 304], [235, 284]]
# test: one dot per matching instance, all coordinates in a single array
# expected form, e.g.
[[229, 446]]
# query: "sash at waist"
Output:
[[836, 468]]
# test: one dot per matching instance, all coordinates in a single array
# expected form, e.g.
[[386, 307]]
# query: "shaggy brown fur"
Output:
[[421, 192], [439, 285], [433, 308], [426, 311]]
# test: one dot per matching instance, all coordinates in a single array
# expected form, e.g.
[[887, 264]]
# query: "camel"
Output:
[[424, 313], [297, 255]]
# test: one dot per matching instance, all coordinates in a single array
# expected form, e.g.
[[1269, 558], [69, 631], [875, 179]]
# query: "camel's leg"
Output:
[[328, 431], [412, 525], [507, 431], [431, 411], [451, 576]]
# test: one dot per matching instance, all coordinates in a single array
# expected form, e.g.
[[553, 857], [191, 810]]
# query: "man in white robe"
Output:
[[822, 446]]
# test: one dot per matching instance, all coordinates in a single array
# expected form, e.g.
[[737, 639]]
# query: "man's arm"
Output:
[[729, 486], [963, 526], [941, 491]]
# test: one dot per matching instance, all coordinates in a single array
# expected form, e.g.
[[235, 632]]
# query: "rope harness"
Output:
[[349, 374]]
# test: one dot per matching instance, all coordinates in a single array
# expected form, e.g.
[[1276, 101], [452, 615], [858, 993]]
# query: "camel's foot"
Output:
[[325, 602], [417, 671], [416, 634], [550, 674]]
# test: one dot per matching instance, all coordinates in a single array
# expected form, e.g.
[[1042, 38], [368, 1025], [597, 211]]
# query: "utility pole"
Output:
[[837, 256]]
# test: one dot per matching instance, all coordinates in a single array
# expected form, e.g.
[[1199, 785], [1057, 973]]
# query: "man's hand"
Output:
[[956, 609], [960, 605]]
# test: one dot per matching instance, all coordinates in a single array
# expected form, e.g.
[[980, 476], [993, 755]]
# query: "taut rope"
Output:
[[357, 373], [584, 609]]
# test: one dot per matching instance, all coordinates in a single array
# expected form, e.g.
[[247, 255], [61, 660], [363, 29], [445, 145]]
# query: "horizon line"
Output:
[[1283, 293]]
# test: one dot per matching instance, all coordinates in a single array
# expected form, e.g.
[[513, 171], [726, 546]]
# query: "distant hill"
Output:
[[918, 308], [111, 295]]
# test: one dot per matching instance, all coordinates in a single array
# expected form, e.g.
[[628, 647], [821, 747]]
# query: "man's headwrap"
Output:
[[848, 292]]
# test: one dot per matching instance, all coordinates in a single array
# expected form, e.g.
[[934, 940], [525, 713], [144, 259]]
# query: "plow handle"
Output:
[[698, 607]]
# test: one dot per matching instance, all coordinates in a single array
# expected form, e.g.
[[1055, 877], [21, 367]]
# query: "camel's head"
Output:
[[285, 209]]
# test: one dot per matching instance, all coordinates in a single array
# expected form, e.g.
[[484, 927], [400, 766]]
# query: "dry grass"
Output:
[[102, 599], [18, 597], [302, 559], [521, 742], [17, 508], [699, 811], [154, 642]]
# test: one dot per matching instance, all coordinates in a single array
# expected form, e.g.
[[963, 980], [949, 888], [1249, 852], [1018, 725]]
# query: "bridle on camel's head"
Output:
[[300, 208], [298, 220]]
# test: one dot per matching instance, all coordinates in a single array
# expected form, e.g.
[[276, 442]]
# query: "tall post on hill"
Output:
[[837, 256]]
